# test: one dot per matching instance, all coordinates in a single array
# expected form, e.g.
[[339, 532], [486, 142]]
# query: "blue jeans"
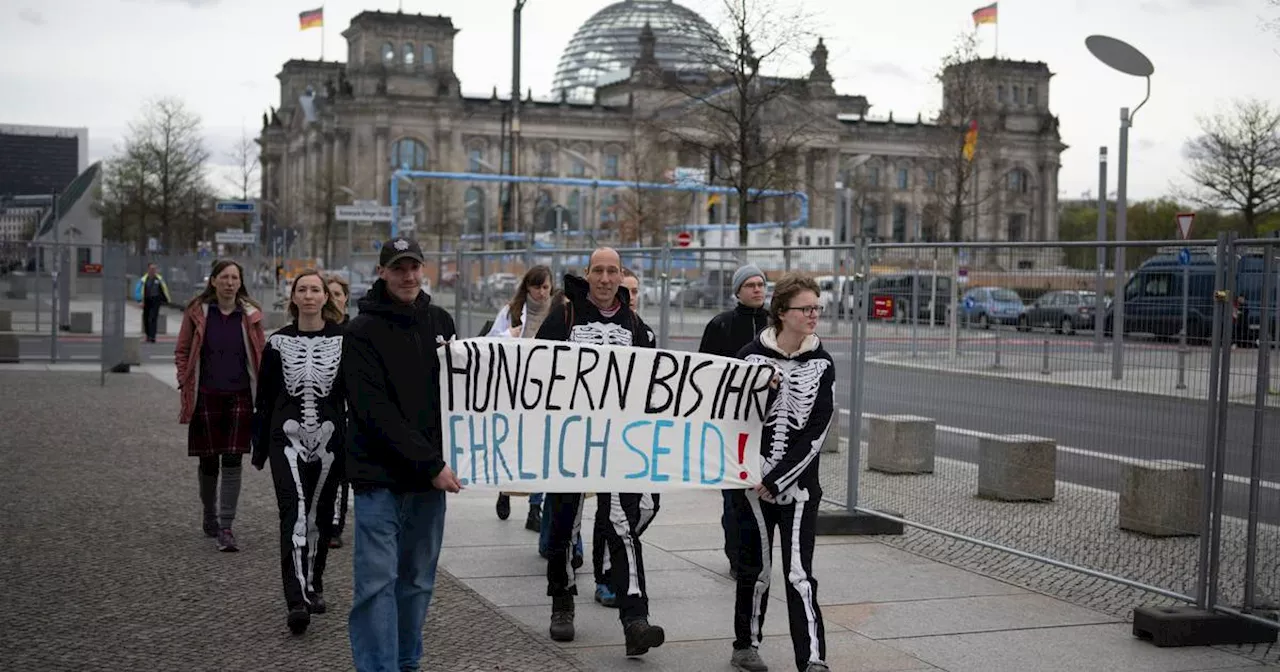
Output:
[[397, 543]]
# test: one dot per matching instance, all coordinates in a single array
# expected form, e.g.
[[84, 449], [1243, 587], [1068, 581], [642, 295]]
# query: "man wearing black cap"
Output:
[[395, 462], [725, 335]]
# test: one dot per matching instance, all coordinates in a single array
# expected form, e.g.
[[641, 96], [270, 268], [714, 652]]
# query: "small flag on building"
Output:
[[312, 18], [985, 14], [971, 140]]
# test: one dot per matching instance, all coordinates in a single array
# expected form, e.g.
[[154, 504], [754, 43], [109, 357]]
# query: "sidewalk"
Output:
[[105, 566]]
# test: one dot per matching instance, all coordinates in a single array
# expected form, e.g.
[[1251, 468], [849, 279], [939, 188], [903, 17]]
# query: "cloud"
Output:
[[1146, 144], [194, 4], [1169, 6], [887, 69], [31, 16]]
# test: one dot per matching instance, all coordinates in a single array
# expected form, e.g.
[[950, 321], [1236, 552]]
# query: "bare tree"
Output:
[[742, 121], [645, 214], [244, 157], [967, 99], [1235, 163]]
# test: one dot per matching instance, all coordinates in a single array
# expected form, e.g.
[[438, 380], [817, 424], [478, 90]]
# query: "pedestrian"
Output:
[[152, 294], [521, 318], [339, 293], [598, 312], [725, 335], [544, 532], [300, 426], [395, 462], [787, 499], [217, 356]]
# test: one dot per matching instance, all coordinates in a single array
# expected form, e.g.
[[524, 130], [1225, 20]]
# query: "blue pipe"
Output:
[[583, 182]]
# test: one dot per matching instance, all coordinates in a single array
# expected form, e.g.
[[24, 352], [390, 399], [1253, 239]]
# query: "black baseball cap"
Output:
[[400, 248]]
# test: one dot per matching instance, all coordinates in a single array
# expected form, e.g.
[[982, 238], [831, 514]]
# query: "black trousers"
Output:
[[794, 523], [340, 508], [627, 515], [600, 560], [305, 494], [150, 316]]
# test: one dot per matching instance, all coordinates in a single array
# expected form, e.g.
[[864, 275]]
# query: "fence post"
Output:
[[915, 303], [1227, 262], [664, 292], [459, 285], [955, 303], [1044, 369], [1211, 433], [1261, 389]]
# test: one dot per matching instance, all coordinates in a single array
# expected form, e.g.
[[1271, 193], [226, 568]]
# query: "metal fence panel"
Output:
[[115, 288]]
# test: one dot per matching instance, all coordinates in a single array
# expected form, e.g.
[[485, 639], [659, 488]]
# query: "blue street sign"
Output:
[[238, 207], [1184, 257]]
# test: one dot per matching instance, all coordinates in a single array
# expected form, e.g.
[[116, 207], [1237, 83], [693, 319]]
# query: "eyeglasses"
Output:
[[809, 311]]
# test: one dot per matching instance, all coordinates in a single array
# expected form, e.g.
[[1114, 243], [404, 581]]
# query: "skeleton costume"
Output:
[[800, 411], [578, 320], [299, 427]]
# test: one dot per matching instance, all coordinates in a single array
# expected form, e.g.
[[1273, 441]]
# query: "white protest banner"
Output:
[[543, 416]]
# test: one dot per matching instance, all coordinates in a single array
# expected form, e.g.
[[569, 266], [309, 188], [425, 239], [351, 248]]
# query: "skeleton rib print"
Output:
[[310, 367], [797, 392], [601, 333]]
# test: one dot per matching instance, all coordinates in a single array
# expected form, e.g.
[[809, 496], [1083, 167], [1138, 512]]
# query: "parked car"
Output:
[[984, 306], [1064, 311]]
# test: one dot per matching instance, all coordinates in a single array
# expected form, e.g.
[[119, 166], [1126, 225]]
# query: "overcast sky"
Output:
[[95, 63]]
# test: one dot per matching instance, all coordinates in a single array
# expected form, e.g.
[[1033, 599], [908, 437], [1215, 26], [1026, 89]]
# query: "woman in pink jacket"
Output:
[[218, 352]]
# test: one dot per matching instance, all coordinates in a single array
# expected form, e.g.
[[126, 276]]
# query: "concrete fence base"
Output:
[[8, 348], [1017, 468], [6, 320], [81, 323]]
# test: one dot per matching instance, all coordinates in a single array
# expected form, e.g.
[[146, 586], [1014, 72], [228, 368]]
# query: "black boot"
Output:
[[533, 522], [562, 619], [316, 603], [641, 636], [299, 619], [504, 507]]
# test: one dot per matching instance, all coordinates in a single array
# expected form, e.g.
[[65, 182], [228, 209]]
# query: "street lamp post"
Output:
[[1124, 58], [515, 116]]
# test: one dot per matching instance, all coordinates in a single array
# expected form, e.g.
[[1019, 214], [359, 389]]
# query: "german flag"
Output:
[[985, 14], [312, 18], [971, 140]]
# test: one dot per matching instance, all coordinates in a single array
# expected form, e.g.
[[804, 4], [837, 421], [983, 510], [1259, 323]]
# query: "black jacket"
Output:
[[799, 413], [578, 320], [393, 391], [732, 330], [277, 402]]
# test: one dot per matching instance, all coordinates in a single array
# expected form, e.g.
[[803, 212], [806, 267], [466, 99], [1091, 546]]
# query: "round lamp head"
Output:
[[1119, 55]]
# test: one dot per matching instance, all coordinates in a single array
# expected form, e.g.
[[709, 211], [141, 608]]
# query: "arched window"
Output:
[[610, 211], [428, 55], [1018, 181], [474, 207], [576, 207], [388, 53], [475, 159], [612, 164], [408, 53], [542, 211], [409, 153], [871, 219]]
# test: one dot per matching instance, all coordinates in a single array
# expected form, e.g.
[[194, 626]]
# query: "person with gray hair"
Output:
[[725, 335]]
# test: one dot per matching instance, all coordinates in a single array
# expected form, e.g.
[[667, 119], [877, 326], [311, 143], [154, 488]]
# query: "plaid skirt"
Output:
[[222, 424]]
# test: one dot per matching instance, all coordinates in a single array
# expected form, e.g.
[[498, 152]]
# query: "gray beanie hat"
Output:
[[743, 274]]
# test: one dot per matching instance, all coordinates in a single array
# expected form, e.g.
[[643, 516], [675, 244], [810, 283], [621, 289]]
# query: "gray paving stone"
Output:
[[919, 618], [105, 566], [846, 652]]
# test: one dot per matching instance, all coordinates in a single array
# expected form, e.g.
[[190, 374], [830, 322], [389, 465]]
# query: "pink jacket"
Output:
[[186, 355]]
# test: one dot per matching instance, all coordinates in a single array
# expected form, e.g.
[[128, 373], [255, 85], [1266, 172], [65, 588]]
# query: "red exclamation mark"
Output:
[[742, 455]]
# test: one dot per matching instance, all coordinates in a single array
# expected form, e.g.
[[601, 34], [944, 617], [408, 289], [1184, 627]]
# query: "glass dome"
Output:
[[609, 42]]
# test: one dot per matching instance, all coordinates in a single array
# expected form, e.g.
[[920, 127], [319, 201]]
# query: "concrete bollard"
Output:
[[132, 351], [81, 323], [162, 323], [6, 320], [17, 286], [1017, 468], [832, 443], [1161, 500], [9, 348], [902, 444]]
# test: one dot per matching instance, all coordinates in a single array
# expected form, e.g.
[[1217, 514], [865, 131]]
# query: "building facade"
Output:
[[342, 128]]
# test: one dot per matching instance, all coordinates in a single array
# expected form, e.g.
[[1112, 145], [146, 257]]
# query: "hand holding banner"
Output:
[[548, 416]]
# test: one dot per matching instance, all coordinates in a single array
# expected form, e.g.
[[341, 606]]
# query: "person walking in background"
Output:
[[300, 424], [725, 335], [152, 294], [521, 318], [632, 282], [339, 293], [218, 353], [787, 499], [597, 312], [395, 460]]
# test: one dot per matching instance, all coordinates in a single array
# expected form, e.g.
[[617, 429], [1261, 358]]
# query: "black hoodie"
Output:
[[580, 321], [732, 330], [799, 413], [392, 380]]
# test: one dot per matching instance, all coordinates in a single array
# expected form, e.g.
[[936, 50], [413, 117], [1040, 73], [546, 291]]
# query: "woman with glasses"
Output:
[[786, 501]]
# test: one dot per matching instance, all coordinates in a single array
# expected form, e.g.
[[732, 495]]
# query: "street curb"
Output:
[[1049, 383]]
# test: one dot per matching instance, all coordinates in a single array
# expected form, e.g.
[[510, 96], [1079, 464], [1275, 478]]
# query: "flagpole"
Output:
[[997, 38], [322, 33]]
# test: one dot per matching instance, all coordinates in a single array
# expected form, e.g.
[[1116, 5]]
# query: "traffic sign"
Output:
[[684, 239], [962, 275], [235, 238], [238, 207], [1184, 256], [366, 213], [1184, 223], [882, 307]]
